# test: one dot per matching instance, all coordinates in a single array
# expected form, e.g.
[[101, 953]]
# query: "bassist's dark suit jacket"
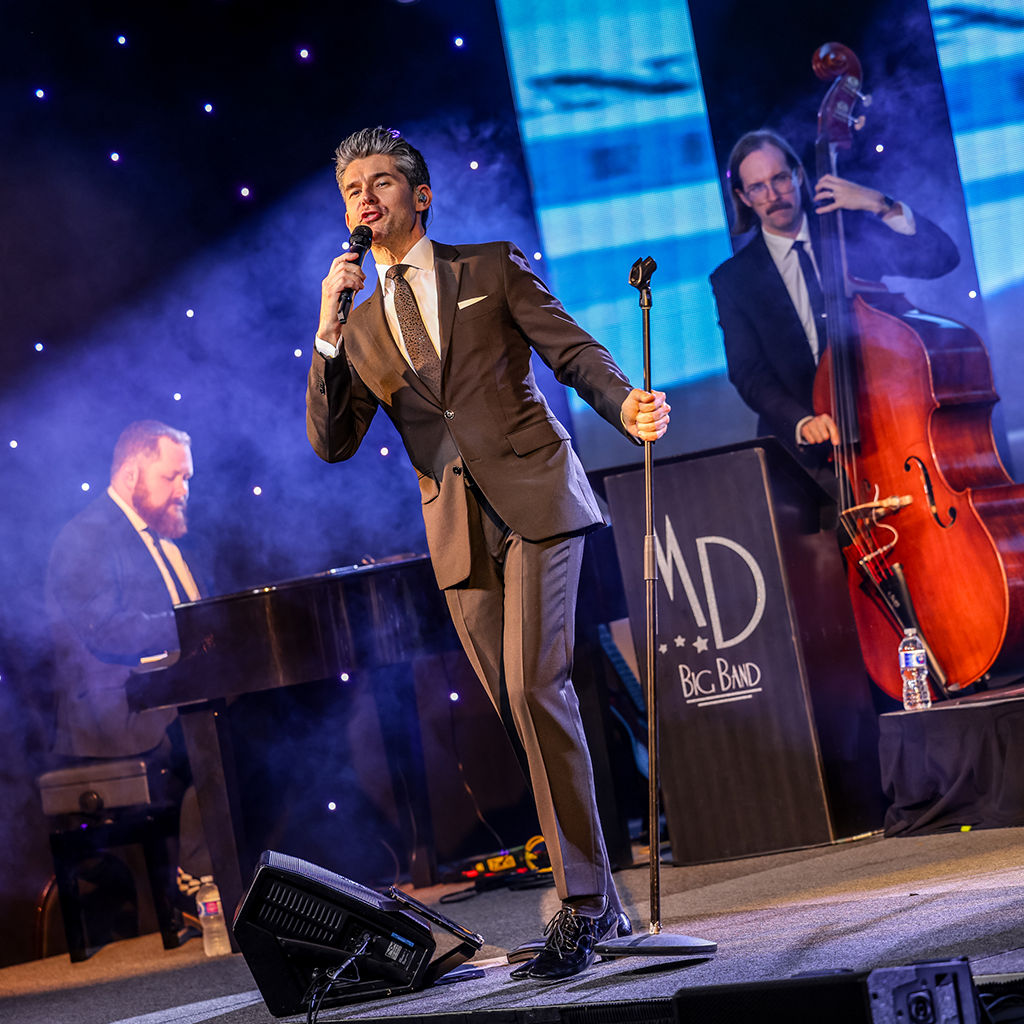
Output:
[[770, 361]]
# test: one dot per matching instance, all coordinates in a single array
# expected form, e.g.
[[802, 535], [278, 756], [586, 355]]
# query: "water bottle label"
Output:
[[209, 907], [912, 659]]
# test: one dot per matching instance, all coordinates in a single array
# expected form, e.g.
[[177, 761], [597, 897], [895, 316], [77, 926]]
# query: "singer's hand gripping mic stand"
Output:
[[655, 942]]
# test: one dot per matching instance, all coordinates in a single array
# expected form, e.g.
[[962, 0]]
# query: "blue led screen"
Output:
[[614, 129], [981, 53]]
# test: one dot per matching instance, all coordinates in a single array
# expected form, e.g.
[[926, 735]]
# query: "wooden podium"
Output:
[[768, 736]]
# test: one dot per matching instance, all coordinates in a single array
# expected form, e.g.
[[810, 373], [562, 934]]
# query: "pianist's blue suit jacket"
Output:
[[108, 606]]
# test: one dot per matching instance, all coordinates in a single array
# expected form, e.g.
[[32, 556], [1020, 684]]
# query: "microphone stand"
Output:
[[655, 942]]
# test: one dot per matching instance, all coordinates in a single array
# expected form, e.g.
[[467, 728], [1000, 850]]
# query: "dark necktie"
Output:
[[179, 583], [813, 293], [422, 353]]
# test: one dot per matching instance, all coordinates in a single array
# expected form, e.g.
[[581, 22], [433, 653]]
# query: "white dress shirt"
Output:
[[422, 279], [170, 551], [788, 264]]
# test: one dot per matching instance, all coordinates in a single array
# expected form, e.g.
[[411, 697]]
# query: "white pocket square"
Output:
[[469, 302]]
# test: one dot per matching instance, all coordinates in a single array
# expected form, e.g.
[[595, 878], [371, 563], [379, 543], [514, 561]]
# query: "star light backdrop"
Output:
[[181, 282], [168, 208]]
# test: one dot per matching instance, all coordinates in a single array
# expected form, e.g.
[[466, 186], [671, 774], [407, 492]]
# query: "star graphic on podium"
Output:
[[700, 645], [663, 649], [679, 641]]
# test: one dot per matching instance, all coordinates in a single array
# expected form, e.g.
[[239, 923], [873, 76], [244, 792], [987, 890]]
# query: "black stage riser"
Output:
[[929, 993], [652, 1011]]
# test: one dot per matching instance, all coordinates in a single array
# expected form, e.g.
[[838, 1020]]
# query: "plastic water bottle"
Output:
[[211, 915], [914, 670]]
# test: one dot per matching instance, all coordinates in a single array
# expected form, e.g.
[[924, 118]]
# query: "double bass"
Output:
[[931, 524]]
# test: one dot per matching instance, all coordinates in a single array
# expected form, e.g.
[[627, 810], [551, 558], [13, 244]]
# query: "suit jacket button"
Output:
[[448, 414], [457, 470]]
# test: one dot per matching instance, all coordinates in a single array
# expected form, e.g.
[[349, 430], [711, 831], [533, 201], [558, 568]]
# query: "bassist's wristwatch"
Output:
[[889, 204]]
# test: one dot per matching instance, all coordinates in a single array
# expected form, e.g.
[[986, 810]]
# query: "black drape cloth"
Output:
[[953, 765]]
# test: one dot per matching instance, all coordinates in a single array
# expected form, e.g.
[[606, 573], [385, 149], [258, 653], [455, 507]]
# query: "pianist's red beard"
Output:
[[168, 519]]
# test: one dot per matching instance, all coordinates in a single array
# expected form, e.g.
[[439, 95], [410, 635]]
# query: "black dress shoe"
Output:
[[569, 947], [531, 947]]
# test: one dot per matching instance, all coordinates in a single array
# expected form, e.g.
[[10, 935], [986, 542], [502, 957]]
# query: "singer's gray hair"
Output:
[[382, 141]]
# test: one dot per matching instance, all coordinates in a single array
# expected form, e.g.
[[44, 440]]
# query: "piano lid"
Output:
[[301, 630]]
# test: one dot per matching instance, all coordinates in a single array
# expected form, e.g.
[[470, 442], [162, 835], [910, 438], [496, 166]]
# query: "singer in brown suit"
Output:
[[444, 346]]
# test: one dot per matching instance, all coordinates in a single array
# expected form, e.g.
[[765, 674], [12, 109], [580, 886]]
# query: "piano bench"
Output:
[[98, 807], [92, 788]]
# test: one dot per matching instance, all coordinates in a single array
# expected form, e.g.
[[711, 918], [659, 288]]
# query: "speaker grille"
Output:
[[641, 1011], [295, 914]]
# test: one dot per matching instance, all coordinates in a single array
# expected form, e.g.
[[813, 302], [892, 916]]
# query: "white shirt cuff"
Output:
[[902, 224], [799, 427], [325, 348]]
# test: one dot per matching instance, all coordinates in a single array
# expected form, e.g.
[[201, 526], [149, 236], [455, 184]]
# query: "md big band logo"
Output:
[[726, 679]]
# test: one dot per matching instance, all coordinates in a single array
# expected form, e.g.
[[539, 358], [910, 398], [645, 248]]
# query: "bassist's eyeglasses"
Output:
[[781, 184]]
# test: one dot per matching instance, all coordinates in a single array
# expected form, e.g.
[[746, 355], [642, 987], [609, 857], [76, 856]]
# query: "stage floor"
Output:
[[871, 903]]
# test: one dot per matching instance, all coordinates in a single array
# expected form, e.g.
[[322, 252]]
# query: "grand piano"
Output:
[[376, 620]]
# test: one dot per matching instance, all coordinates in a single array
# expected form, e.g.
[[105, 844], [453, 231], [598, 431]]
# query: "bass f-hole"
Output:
[[926, 483]]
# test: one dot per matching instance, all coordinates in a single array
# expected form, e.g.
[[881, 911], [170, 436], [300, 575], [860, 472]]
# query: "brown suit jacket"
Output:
[[493, 420]]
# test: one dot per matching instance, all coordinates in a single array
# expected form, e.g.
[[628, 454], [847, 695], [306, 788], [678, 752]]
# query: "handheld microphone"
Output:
[[359, 242]]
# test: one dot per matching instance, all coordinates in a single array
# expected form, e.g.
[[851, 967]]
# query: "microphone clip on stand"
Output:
[[655, 942]]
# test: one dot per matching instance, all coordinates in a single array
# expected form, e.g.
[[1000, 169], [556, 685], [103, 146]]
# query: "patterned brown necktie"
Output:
[[422, 354]]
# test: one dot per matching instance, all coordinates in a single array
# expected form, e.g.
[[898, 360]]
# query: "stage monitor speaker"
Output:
[[309, 934], [930, 993]]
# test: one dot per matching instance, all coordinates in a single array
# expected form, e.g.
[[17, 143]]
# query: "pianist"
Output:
[[443, 346], [113, 578]]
